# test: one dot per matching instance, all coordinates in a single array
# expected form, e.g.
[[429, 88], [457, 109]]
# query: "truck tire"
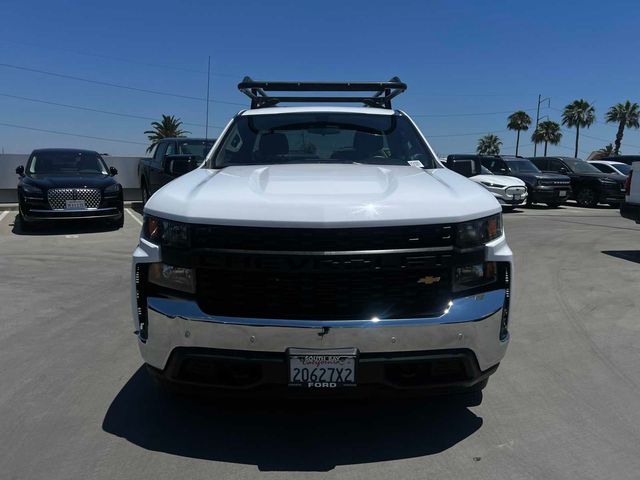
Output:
[[587, 197]]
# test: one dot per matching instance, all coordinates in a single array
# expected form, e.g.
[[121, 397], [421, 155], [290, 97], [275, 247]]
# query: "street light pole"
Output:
[[540, 100], [206, 124]]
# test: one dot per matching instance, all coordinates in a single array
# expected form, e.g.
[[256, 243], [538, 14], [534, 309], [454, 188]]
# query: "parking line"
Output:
[[4, 214], [133, 215]]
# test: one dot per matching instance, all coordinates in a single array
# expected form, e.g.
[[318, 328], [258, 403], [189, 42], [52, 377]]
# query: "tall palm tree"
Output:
[[548, 132], [625, 114], [489, 145], [579, 114], [168, 127], [519, 121]]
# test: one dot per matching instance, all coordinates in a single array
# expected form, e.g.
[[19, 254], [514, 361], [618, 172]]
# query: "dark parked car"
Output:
[[64, 183], [552, 189], [171, 158], [589, 185]]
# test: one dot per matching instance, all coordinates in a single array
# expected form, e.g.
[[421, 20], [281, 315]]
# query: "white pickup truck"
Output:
[[630, 207], [322, 248]]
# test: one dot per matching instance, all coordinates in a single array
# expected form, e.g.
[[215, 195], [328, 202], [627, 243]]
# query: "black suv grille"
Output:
[[555, 183]]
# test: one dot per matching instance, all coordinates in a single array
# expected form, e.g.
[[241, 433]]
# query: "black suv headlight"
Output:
[[478, 232], [166, 232]]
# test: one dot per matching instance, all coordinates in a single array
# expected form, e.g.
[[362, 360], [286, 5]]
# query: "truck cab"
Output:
[[170, 158]]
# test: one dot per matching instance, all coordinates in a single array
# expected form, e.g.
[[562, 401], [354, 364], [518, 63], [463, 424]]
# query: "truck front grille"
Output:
[[311, 292], [58, 196]]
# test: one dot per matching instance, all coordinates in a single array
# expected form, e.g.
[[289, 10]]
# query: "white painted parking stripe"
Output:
[[4, 214], [134, 216]]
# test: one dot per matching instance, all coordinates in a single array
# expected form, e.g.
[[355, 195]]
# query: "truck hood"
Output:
[[326, 195], [496, 180]]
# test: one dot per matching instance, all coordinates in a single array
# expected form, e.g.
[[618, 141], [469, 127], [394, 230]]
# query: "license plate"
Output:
[[309, 368], [562, 193], [75, 205], [517, 197]]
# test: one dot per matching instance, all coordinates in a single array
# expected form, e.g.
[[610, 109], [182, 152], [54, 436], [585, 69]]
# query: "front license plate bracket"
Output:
[[322, 368]]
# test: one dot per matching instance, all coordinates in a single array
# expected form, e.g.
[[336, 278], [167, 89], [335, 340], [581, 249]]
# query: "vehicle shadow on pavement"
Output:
[[61, 227], [630, 255], [286, 434]]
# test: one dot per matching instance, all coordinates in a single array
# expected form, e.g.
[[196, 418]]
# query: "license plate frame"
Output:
[[75, 205], [318, 365]]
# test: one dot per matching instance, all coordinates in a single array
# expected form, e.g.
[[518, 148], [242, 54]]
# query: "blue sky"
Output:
[[461, 60]]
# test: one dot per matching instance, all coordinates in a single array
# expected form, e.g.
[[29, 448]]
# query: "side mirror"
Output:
[[20, 170], [563, 170], [113, 171], [176, 165], [503, 171]]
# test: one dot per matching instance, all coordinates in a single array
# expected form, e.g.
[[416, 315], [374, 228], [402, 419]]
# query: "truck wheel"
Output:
[[586, 197], [145, 194]]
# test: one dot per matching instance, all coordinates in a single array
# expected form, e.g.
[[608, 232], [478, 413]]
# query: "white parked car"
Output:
[[509, 191], [322, 248], [606, 166]]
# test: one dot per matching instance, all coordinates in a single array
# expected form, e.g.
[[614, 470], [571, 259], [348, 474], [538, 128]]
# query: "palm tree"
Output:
[[168, 127], [578, 113], [489, 145], [604, 152], [625, 114], [519, 121], [547, 132]]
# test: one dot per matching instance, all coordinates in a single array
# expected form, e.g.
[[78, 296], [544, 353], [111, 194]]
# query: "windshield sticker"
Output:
[[416, 163]]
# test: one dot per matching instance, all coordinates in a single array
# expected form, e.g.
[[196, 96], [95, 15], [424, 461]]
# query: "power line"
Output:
[[121, 59], [466, 134], [115, 85], [116, 140], [89, 109], [469, 114]]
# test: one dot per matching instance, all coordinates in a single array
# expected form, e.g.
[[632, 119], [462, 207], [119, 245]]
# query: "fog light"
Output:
[[471, 276], [176, 278]]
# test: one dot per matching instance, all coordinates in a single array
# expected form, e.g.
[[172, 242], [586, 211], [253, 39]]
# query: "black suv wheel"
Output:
[[587, 197]]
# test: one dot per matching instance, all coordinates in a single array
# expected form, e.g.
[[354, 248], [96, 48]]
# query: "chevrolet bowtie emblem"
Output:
[[428, 280]]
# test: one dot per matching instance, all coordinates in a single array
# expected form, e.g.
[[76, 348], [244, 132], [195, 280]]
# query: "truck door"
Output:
[[155, 169]]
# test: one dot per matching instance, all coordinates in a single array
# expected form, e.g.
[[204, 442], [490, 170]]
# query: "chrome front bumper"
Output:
[[469, 323]]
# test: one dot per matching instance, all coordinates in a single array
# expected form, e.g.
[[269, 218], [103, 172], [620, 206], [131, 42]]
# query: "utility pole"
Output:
[[540, 100], [206, 124]]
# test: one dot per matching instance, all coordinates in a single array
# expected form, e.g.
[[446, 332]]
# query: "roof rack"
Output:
[[381, 97]]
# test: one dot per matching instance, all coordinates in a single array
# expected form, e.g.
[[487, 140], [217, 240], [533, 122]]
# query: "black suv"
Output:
[[589, 185], [548, 188], [66, 183]]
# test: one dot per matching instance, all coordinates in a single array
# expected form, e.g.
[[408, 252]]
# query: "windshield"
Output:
[[195, 147], [522, 166], [583, 167], [323, 137], [66, 163]]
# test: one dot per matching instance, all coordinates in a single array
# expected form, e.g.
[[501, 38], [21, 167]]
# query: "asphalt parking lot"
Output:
[[75, 403]]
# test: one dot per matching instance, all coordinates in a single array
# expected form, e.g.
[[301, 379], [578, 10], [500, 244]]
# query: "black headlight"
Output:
[[166, 232], [478, 232]]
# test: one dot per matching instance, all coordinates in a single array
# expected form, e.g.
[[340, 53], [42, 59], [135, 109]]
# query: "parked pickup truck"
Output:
[[630, 207], [171, 157], [322, 248]]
